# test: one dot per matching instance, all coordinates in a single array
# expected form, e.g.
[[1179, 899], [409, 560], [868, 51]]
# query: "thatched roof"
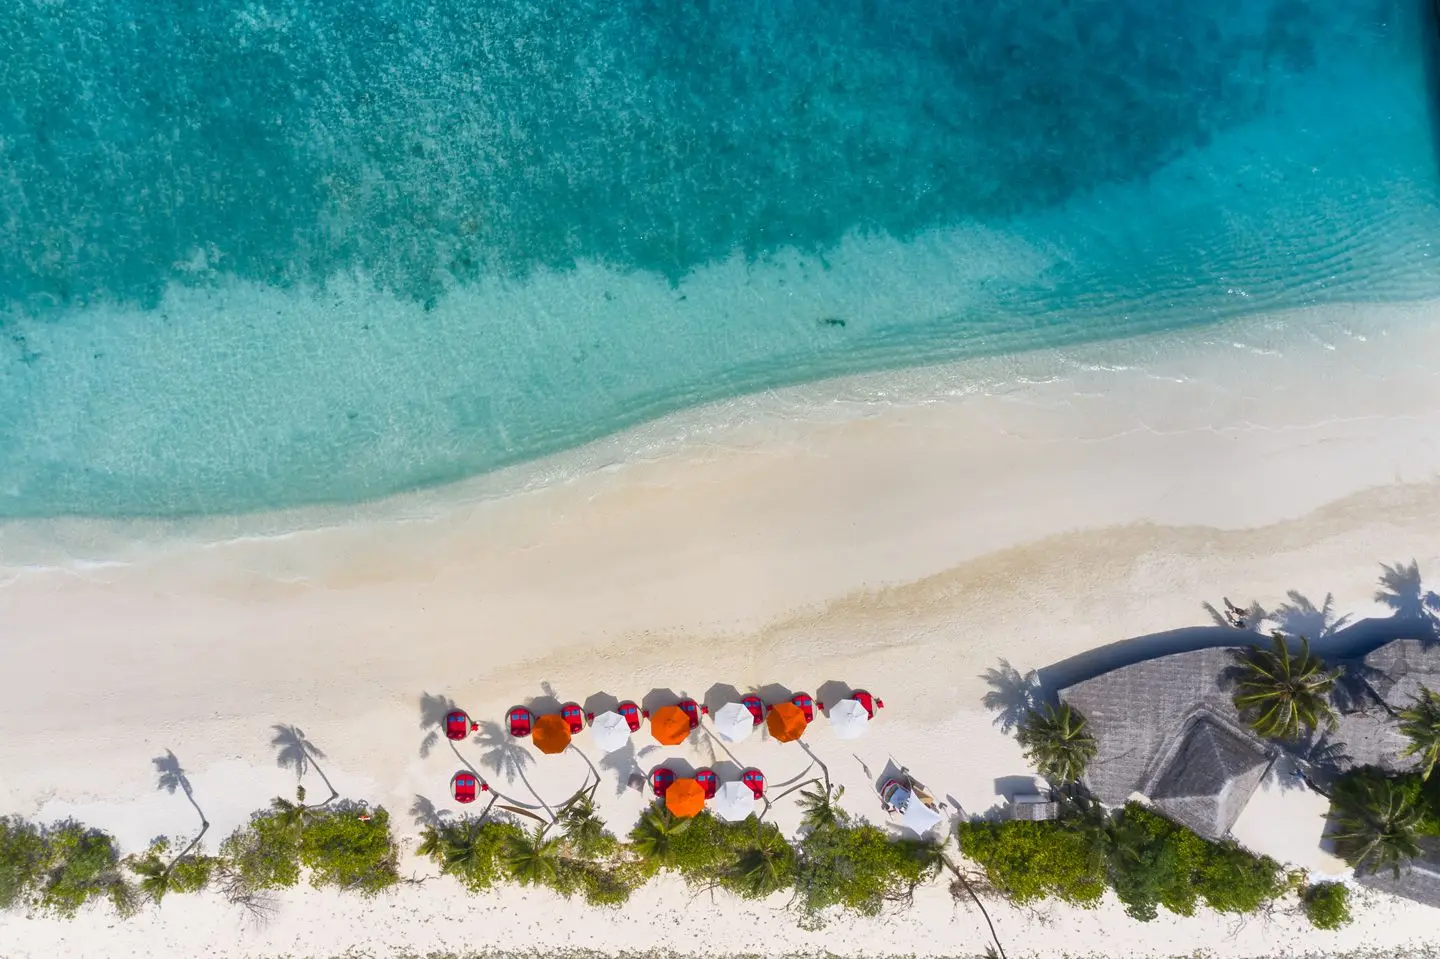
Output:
[[1419, 882], [1384, 682], [1397, 671], [1136, 714], [1210, 777]]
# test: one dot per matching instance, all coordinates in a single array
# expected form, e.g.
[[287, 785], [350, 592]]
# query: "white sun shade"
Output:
[[916, 815], [610, 731], [849, 719], [733, 722], [733, 801]]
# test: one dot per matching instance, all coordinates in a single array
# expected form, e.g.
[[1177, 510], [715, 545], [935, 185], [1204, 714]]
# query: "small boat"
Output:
[[708, 781], [520, 720], [459, 725], [755, 779], [574, 717]]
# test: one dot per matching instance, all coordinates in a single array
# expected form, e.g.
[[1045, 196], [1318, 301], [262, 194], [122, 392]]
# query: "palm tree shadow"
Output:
[[433, 710], [624, 763], [1403, 591], [1319, 756], [503, 755], [1254, 616], [1011, 695], [1301, 617], [424, 813], [171, 776], [294, 751]]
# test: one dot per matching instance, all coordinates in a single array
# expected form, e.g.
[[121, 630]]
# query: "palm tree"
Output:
[[1421, 725], [1281, 694], [819, 807], [653, 835], [767, 865], [432, 842], [460, 844], [170, 777], [532, 859], [1057, 742], [583, 828], [294, 816], [1376, 822], [155, 877], [294, 751]]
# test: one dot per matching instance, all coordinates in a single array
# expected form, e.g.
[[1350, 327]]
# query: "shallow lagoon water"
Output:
[[268, 254]]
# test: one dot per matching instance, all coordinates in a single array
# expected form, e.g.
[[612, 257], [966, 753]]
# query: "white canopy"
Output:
[[848, 718], [914, 813], [610, 731], [733, 722], [733, 801]]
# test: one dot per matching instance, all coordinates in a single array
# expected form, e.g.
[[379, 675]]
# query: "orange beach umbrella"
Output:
[[786, 722], [669, 725], [685, 798], [552, 734]]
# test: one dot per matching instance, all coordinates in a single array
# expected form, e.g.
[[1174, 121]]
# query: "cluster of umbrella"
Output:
[[685, 797], [552, 733]]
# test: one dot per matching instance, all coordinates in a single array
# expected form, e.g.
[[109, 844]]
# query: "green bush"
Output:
[[1154, 862], [265, 852], [23, 855], [1030, 861], [1326, 905], [858, 868], [350, 847], [81, 865]]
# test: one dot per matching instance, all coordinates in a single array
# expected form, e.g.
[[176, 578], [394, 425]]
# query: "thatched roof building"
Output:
[[1167, 729], [1386, 681]]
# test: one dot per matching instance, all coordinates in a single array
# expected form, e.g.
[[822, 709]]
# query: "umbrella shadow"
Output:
[[433, 710], [772, 693], [682, 768], [602, 702], [719, 695], [547, 703], [657, 698], [831, 692], [1011, 695]]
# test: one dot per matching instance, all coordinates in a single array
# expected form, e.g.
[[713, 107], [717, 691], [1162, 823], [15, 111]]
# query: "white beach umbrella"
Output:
[[848, 718], [733, 801], [610, 731], [918, 816], [733, 722]]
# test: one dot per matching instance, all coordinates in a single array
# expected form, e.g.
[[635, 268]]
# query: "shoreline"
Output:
[[907, 551]]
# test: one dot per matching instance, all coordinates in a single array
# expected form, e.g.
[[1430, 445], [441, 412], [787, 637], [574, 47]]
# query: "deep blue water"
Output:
[[265, 254]]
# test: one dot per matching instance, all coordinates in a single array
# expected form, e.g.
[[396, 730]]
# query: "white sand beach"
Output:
[[902, 533]]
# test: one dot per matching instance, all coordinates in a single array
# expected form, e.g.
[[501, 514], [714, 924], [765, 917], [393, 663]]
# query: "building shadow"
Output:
[[1008, 787]]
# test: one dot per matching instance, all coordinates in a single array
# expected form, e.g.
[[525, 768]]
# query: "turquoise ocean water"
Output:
[[266, 254]]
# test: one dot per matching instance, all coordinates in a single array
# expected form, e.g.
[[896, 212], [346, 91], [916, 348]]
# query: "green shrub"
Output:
[[192, 873], [23, 854], [265, 852], [1326, 905], [1030, 861], [81, 865], [1154, 862], [350, 847], [858, 868]]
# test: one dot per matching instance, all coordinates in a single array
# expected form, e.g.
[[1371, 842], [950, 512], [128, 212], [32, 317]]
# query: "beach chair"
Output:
[[694, 710], [707, 779], [458, 725], [755, 779], [632, 715], [868, 701], [464, 786], [806, 705], [660, 780], [520, 722], [756, 705], [888, 791], [574, 717]]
